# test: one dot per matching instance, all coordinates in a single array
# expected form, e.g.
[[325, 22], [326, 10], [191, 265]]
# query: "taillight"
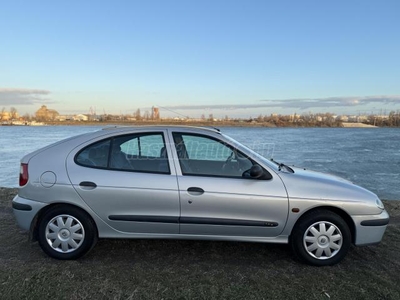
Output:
[[23, 175]]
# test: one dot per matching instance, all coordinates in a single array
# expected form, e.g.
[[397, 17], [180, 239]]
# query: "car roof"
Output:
[[160, 127], [110, 130]]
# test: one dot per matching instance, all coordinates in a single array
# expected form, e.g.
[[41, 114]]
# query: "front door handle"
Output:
[[88, 184], [195, 191]]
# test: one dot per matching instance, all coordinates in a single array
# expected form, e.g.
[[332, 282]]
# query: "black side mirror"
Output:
[[256, 171]]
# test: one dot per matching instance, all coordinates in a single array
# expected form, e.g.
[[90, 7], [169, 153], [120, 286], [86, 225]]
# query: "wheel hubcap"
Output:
[[323, 240], [64, 233]]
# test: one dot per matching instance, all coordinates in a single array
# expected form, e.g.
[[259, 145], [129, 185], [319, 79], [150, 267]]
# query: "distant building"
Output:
[[61, 118], [45, 114], [155, 113], [81, 117], [9, 115], [382, 116], [362, 118], [343, 118], [5, 116], [294, 117]]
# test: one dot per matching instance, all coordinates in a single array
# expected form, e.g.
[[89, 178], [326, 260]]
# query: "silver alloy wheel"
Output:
[[323, 240], [64, 233]]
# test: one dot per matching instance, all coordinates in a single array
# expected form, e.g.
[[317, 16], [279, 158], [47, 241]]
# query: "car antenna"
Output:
[[170, 110], [186, 117], [215, 128]]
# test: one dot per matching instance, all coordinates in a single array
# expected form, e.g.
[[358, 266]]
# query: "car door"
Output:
[[217, 198], [127, 180]]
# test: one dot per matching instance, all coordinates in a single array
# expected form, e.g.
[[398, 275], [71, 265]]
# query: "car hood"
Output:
[[315, 185], [318, 175]]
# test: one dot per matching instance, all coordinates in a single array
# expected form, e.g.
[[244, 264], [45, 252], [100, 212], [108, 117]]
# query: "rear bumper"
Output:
[[370, 228], [25, 211]]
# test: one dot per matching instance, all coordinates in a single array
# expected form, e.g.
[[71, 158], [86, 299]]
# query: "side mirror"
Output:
[[256, 171]]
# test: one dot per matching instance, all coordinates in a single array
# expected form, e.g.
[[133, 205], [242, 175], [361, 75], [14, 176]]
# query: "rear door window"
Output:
[[145, 152]]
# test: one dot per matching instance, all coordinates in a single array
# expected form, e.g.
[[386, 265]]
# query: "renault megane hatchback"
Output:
[[187, 183]]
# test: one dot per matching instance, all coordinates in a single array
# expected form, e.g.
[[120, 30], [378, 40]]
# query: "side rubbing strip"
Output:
[[381, 222], [189, 220], [20, 206], [155, 219], [226, 222]]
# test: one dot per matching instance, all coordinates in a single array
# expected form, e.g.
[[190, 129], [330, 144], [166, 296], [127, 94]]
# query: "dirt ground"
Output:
[[167, 269]]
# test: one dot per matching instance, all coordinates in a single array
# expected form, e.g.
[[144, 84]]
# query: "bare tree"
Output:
[[3, 110], [138, 116], [13, 113], [27, 117]]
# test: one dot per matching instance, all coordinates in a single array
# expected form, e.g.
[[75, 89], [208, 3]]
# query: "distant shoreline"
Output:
[[358, 125], [203, 124]]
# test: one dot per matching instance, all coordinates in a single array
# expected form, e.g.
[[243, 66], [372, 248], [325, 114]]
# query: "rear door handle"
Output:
[[88, 184], [195, 191]]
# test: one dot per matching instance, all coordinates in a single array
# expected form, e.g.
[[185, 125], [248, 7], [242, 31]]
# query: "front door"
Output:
[[217, 198]]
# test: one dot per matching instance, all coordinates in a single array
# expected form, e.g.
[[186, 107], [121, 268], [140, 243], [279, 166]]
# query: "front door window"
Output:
[[204, 156]]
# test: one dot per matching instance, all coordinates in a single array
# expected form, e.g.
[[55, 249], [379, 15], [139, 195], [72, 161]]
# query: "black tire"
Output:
[[304, 238], [77, 232]]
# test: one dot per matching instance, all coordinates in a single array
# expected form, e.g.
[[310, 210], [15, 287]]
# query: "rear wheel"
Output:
[[321, 238], [66, 232]]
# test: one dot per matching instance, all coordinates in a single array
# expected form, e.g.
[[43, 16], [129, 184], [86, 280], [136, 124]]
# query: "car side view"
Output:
[[181, 182]]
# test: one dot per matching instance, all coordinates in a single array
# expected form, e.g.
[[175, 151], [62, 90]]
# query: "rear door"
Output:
[[128, 181], [217, 198]]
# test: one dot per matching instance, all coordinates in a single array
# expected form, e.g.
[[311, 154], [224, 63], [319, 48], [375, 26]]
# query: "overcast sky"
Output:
[[240, 58]]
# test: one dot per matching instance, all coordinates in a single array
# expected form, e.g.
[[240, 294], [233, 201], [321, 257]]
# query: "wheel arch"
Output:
[[340, 212], [33, 232]]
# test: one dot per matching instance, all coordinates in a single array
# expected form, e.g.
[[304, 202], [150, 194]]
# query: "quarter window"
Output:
[[96, 155]]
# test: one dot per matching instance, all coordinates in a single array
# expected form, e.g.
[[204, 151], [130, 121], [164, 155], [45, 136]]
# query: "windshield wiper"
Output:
[[282, 165]]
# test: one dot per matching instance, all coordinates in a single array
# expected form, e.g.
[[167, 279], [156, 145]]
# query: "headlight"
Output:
[[379, 203]]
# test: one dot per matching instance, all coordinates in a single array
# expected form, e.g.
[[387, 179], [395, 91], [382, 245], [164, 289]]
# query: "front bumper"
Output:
[[25, 211], [370, 228]]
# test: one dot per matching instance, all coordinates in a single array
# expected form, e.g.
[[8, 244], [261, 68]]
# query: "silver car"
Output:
[[187, 183]]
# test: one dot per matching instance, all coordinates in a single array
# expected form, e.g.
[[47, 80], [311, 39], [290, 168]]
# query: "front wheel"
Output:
[[321, 238], [66, 232]]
